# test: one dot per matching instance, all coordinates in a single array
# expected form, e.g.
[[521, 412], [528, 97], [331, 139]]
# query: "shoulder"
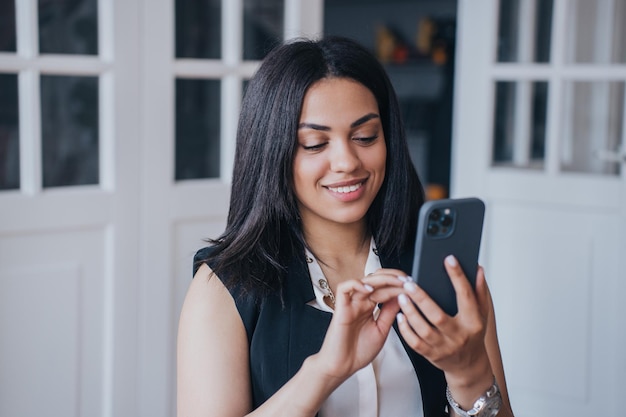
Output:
[[246, 301], [212, 344], [205, 283], [208, 300]]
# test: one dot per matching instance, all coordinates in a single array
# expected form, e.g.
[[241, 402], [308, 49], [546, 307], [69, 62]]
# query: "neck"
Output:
[[340, 244]]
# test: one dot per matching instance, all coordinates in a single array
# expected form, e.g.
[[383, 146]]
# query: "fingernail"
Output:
[[404, 278], [400, 318], [451, 260], [410, 286], [403, 299], [368, 287]]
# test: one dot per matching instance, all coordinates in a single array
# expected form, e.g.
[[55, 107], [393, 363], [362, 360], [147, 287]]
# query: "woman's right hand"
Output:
[[356, 335]]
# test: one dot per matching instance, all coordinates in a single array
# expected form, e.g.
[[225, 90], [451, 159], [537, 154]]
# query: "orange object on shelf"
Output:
[[435, 192]]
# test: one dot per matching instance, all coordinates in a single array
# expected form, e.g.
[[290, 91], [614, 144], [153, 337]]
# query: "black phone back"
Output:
[[447, 227]]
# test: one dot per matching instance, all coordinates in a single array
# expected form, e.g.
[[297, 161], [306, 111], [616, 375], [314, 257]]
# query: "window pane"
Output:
[[524, 31], [593, 125], [520, 123], [68, 27], [597, 31], [262, 27], [7, 26], [69, 130], [197, 129], [9, 133], [198, 29]]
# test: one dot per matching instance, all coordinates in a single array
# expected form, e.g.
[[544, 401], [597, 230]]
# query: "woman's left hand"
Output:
[[456, 344]]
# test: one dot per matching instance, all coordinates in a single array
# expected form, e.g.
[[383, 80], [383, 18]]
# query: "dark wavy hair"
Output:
[[263, 231]]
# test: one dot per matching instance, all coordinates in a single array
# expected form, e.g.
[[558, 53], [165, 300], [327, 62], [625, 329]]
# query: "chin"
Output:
[[348, 219]]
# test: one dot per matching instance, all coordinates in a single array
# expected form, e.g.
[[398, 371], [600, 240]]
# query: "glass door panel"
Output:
[[590, 112], [524, 29], [593, 127], [198, 29], [197, 129], [68, 27], [519, 131], [69, 130], [263, 27], [7, 26], [596, 32], [9, 133]]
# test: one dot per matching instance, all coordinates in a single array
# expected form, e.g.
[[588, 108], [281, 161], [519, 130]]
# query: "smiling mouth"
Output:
[[346, 189]]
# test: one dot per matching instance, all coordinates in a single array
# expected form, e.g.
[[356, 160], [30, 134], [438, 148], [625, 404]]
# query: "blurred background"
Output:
[[117, 126]]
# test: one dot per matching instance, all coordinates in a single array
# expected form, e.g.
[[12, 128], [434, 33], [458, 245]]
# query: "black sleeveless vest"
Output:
[[283, 333]]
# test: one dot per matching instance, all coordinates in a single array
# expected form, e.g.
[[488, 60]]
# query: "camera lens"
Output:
[[434, 215], [446, 221], [432, 229]]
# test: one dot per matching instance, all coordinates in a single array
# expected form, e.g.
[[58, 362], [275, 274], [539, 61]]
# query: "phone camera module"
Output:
[[440, 222]]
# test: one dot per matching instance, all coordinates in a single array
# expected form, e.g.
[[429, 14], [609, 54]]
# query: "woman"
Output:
[[302, 307]]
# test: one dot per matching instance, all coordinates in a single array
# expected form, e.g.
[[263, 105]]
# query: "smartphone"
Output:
[[447, 227]]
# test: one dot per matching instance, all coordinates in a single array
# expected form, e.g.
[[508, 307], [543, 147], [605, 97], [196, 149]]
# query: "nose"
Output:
[[344, 157]]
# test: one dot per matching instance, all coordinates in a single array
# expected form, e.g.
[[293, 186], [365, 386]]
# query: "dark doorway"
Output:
[[414, 39]]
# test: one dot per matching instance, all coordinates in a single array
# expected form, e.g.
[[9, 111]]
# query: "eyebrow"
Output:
[[354, 124]]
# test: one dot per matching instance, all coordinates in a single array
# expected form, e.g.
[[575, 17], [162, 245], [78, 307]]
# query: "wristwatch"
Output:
[[487, 405]]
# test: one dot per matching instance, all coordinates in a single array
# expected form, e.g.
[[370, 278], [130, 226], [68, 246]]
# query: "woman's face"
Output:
[[339, 164]]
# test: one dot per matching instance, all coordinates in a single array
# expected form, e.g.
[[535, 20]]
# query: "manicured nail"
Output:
[[410, 286], [368, 287], [403, 299], [404, 278], [400, 318], [451, 260]]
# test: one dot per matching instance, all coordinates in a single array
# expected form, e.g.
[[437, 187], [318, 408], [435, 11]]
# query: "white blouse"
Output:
[[387, 387]]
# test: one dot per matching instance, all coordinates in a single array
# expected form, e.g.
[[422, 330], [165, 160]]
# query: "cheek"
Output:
[[308, 168], [377, 160], [305, 174]]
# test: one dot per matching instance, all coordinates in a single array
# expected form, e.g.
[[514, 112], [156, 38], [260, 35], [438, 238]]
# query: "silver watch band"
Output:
[[487, 405]]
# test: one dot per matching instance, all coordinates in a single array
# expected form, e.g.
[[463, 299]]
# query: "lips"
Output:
[[346, 188]]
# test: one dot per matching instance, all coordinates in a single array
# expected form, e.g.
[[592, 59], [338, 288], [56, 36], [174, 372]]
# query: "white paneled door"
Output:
[[540, 134], [69, 209], [117, 125], [200, 55]]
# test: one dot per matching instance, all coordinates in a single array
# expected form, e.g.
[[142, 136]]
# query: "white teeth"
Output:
[[345, 189]]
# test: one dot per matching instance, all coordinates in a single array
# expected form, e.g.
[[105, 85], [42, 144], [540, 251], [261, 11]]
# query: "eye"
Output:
[[366, 140], [313, 148]]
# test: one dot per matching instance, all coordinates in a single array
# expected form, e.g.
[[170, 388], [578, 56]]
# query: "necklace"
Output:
[[329, 292], [325, 286]]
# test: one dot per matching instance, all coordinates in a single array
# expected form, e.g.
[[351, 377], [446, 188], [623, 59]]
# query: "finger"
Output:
[[482, 292], [386, 284], [428, 307], [348, 291], [385, 294], [379, 279], [412, 339], [465, 296], [418, 321]]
